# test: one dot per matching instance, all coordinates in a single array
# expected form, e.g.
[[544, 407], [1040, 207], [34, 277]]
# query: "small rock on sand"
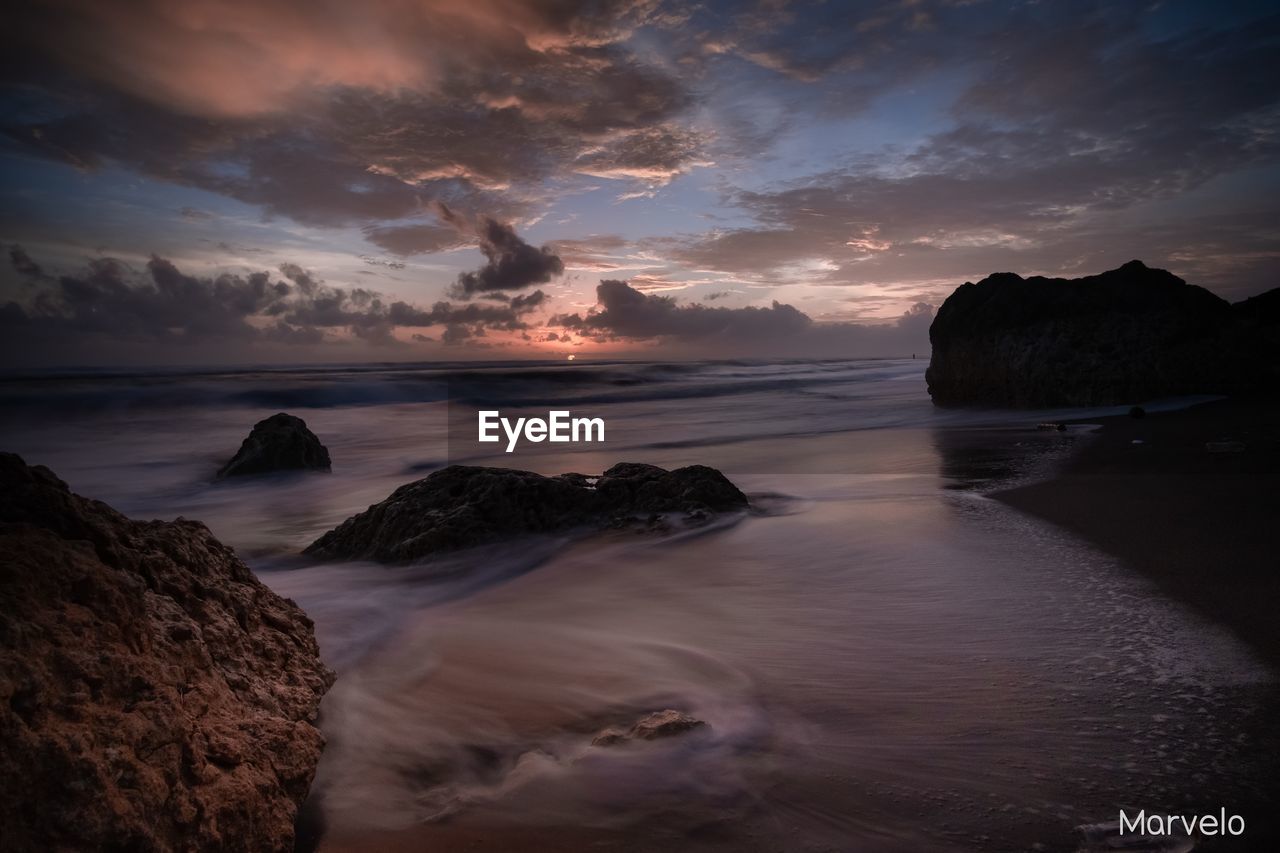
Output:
[[660, 724]]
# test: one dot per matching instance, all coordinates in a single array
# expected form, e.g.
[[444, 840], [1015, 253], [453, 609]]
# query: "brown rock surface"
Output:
[[279, 443], [659, 724], [154, 695], [461, 506]]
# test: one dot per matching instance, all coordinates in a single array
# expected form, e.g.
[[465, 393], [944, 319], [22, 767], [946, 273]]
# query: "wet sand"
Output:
[[1202, 525], [893, 662]]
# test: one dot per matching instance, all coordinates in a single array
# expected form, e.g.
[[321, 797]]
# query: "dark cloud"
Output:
[[281, 106], [1078, 123], [624, 313], [405, 240], [512, 263], [939, 140], [23, 265], [381, 262], [110, 301], [457, 334], [523, 303], [474, 316]]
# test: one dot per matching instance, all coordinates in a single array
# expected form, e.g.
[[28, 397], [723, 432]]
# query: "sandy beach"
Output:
[[1200, 523]]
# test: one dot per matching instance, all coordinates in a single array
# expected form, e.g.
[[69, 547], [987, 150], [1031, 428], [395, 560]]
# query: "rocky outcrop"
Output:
[[461, 506], [279, 443], [660, 724], [1127, 335], [154, 695]]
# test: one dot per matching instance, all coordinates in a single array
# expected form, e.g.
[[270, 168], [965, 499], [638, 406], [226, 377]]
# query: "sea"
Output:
[[886, 658]]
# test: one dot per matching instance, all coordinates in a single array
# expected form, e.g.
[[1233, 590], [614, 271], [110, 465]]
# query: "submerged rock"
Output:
[[659, 724], [279, 443], [1130, 334], [461, 506], [154, 695]]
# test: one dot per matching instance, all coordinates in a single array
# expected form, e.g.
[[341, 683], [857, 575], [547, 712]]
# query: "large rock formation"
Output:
[[279, 443], [154, 695], [1130, 334], [461, 506]]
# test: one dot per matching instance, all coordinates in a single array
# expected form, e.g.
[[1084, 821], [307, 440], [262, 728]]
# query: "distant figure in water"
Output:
[[913, 356]]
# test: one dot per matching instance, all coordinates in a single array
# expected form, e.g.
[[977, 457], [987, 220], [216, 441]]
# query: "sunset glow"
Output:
[[496, 180]]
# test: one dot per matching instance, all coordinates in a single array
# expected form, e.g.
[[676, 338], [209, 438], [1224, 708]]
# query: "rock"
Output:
[[1137, 413], [659, 724], [154, 695], [279, 443], [1130, 334], [461, 506], [635, 487]]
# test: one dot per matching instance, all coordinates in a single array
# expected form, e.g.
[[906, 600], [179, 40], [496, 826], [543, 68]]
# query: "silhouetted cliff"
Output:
[[1126, 335]]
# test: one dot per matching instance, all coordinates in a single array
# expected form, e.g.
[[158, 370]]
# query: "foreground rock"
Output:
[[1127, 335], [279, 443], [657, 725], [153, 694], [461, 506]]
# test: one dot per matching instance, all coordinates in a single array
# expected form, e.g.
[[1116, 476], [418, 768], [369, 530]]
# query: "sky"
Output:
[[208, 181]]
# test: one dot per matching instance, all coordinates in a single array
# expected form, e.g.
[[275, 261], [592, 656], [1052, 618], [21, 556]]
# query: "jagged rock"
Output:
[[1130, 334], [279, 443], [461, 506], [659, 724], [154, 695]]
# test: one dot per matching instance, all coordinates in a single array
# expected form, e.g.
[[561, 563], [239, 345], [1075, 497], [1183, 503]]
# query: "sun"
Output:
[[571, 356]]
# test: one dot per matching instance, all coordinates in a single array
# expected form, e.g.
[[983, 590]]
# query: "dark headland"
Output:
[[1120, 337], [1186, 496]]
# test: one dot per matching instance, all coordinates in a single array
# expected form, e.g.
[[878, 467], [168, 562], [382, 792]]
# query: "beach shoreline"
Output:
[[1199, 523]]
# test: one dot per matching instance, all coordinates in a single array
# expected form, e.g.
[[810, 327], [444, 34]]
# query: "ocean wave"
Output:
[[511, 384]]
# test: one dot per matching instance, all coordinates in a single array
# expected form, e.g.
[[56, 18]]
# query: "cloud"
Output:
[[23, 265], [652, 156], [381, 262], [109, 301], [334, 115], [888, 145], [475, 317], [512, 263], [626, 314], [272, 56], [599, 252], [1066, 151], [405, 240]]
